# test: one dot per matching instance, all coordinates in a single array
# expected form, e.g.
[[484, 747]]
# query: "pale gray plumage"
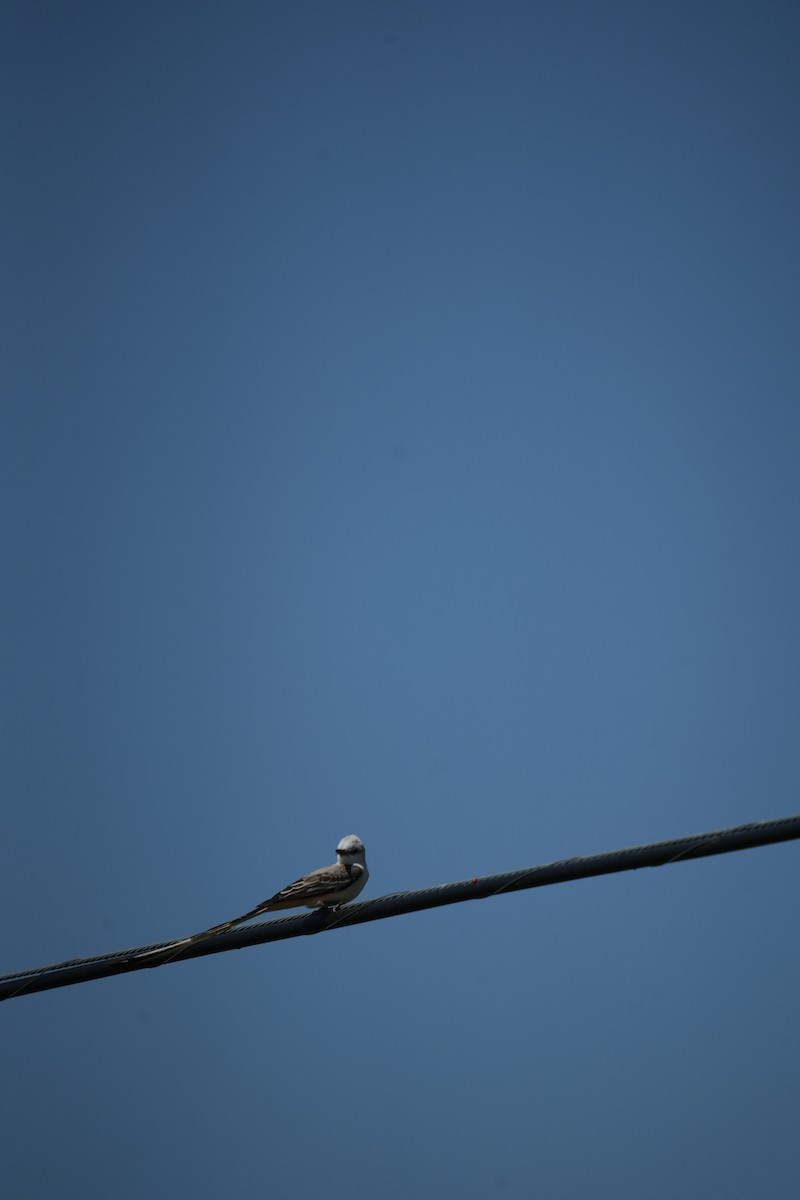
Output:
[[327, 887]]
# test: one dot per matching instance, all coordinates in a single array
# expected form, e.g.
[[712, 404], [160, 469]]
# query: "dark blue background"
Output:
[[401, 437]]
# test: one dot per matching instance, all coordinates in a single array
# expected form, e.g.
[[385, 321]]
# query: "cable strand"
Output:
[[235, 936]]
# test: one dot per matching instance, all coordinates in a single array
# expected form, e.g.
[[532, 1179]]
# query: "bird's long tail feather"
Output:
[[165, 954]]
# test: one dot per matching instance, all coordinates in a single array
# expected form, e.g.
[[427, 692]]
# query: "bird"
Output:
[[325, 888]]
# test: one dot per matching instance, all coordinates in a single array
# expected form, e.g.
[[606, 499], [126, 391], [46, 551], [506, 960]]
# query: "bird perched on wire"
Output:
[[327, 887]]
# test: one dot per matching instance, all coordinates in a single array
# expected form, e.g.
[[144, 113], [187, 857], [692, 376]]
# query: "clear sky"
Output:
[[401, 436]]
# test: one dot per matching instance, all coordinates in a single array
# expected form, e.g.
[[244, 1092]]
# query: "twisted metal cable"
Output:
[[654, 854]]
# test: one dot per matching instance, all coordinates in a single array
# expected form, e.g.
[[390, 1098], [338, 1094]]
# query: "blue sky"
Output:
[[401, 437]]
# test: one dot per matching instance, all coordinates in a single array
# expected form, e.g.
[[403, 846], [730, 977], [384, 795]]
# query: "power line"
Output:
[[656, 854]]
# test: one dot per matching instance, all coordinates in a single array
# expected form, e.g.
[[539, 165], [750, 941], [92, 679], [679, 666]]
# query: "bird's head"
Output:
[[350, 849]]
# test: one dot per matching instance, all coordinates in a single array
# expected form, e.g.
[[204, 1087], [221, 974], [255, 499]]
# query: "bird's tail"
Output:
[[165, 954]]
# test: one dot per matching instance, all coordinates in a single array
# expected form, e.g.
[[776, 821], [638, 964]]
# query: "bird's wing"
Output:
[[325, 881]]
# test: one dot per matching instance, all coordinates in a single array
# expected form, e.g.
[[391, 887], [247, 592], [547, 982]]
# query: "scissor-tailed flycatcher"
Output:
[[327, 887]]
